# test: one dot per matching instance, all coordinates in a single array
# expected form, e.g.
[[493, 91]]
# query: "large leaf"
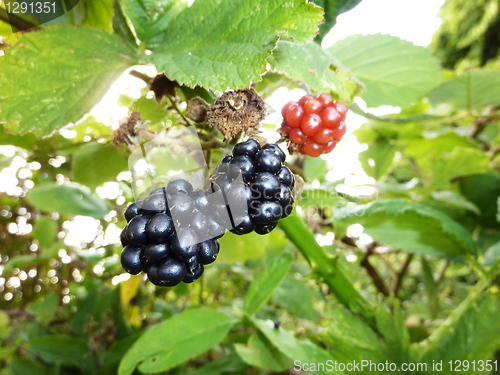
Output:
[[483, 190], [151, 18], [302, 352], [333, 8], [313, 66], [225, 43], [54, 77], [176, 340], [412, 227], [95, 164], [67, 200], [263, 286], [472, 90], [20, 366], [44, 232], [395, 71]]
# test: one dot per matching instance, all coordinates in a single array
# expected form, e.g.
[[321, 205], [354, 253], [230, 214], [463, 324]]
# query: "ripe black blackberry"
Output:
[[257, 186], [173, 233]]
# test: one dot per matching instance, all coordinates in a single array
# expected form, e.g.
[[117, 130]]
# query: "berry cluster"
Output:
[[315, 124], [171, 234], [257, 177]]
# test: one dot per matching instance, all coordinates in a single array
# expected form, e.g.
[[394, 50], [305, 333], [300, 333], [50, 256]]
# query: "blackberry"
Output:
[[265, 194], [173, 232]]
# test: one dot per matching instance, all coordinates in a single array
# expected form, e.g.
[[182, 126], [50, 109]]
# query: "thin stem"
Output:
[[401, 274], [372, 272], [173, 102], [442, 270]]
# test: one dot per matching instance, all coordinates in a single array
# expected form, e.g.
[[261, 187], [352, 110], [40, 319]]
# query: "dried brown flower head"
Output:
[[162, 85], [127, 130], [197, 109], [237, 111]]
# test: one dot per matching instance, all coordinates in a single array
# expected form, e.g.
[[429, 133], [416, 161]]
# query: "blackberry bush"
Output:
[[315, 125], [258, 177]]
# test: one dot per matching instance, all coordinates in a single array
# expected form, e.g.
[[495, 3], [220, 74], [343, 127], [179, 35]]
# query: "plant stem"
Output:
[[372, 272], [401, 274], [325, 267], [142, 76]]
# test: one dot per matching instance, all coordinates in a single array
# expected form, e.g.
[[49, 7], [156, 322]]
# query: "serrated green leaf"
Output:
[[264, 285], [463, 161], [472, 90], [225, 43], [436, 147], [302, 351], [394, 71], [67, 200], [294, 296], [455, 199], [54, 77], [96, 163], [176, 340], [377, 159], [99, 14], [312, 65], [44, 231], [151, 18], [483, 190], [333, 8], [412, 227], [259, 352], [120, 24]]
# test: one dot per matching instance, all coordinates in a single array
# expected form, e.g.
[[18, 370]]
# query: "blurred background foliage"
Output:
[[401, 268]]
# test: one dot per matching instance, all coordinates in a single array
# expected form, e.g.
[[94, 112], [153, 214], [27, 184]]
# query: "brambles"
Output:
[[256, 176], [171, 234], [314, 126]]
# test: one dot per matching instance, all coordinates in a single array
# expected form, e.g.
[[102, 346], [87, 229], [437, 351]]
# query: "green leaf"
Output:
[[302, 351], [67, 200], [333, 8], [492, 255], [54, 77], [294, 296], [66, 350], [312, 65], [412, 227], [44, 232], [430, 286], [44, 310], [483, 190], [394, 71], [120, 25], [96, 163], [151, 18], [463, 161], [259, 352], [472, 90], [225, 43], [315, 168], [176, 340], [455, 199], [264, 285], [21, 366], [377, 159], [99, 14], [475, 336], [439, 146]]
